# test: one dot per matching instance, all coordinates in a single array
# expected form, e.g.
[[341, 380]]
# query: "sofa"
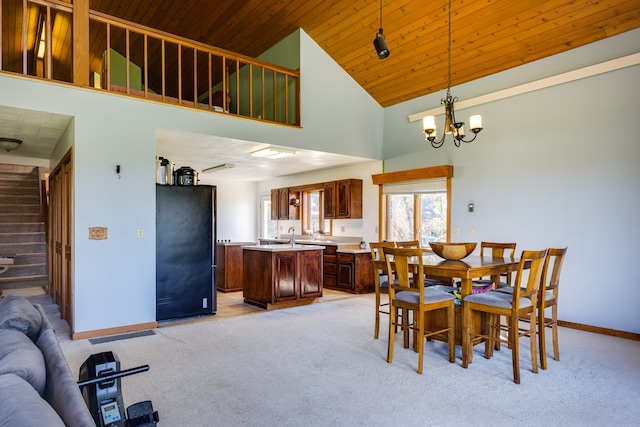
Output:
[[36, 384]]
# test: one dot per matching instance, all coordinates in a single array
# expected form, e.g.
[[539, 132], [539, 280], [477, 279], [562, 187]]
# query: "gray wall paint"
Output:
[[555, 167]]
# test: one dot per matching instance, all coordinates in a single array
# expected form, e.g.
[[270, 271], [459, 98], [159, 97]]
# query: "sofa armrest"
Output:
[[61, 390]]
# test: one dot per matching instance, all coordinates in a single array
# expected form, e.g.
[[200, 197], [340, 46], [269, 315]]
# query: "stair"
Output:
[[22, 232]]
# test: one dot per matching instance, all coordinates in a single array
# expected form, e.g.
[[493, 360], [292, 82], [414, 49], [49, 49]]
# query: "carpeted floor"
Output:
[[319, 365]]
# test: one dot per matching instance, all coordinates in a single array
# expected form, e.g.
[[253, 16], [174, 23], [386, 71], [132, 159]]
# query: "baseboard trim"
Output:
[[599, 330], [153, 325], [113, 331]]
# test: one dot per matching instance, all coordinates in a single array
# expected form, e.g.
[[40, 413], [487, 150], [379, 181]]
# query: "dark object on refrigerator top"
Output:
[[185, 176], [185, 232]]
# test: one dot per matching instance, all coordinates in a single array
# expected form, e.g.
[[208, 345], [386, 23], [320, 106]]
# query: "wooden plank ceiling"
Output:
[[489, 36]]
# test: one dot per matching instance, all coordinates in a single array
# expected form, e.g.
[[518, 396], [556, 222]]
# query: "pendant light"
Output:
[[379, 42]]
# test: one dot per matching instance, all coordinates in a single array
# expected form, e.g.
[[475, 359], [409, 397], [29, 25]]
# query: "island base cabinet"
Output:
[[310, 263], [282, 278]]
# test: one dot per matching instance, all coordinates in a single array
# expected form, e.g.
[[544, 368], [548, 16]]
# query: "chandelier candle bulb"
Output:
[[429, 124], [475, 122]]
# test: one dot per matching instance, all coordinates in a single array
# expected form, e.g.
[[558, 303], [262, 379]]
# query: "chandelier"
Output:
[[451, 126]]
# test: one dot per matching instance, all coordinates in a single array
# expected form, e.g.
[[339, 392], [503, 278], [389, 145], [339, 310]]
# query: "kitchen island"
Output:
[[282, 275]]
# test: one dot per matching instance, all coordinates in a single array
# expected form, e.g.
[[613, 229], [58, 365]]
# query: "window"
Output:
[[414, 204], [417, 216], [312, 219], [312, 213]]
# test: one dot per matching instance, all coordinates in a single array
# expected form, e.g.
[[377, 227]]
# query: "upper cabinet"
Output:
[[343, 199], [285, 204], [329, 197]]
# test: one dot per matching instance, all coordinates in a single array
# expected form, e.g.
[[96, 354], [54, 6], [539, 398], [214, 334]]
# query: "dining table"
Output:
[[470, 268]]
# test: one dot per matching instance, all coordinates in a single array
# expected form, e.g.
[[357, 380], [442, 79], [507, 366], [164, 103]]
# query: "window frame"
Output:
[[408, 177]]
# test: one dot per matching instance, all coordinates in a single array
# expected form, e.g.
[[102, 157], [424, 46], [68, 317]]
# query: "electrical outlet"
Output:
[[472, 232], [456, 231], [376, 230], [97, 233], [342, 228], [140, 233]]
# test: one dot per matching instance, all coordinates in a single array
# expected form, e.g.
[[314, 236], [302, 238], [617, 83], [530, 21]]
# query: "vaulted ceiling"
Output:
[[488, 35]]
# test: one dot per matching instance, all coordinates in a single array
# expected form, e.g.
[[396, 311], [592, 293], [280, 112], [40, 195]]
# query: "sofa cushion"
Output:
[[17, 312], [20, 356], [62, 391], [20, 405]]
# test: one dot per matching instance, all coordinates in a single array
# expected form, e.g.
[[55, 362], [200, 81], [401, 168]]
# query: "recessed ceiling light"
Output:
[[218, 167], [272, 153]]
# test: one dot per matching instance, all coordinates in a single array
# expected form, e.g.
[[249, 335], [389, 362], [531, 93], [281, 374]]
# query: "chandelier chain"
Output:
[[449, 52]]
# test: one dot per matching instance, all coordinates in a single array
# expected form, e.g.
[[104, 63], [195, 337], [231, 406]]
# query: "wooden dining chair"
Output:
[[408, 244], [548, 298], [380, 280], [496, 250], [406, 265], [522, 302], [443, 283]]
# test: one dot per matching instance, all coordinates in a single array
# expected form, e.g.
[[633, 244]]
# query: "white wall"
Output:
[[237, 207], [555, 167]]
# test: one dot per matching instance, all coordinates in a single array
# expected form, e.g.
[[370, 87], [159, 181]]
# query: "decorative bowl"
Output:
[[452, 251]]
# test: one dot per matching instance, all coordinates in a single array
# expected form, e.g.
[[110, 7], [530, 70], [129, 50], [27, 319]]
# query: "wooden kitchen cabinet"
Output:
[[330, 266], [329, 208], [276, 278], [355, 272], [229, 266], [282, 206], [343, 199]]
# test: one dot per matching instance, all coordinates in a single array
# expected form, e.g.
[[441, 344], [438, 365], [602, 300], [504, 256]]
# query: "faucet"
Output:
[[292, 230]]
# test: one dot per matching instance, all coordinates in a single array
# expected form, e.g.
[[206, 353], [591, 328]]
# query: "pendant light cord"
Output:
[[381, 15]]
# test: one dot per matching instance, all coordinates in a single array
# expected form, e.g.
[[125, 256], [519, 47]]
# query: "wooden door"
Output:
[[60, 237], [54, 241]]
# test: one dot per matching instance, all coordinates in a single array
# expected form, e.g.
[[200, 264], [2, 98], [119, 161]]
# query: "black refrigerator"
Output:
[[185, 236]]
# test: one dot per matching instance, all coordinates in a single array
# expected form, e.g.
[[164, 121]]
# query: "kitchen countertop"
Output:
[[323, 242], [283, 247], [237, 243], [354, 251]]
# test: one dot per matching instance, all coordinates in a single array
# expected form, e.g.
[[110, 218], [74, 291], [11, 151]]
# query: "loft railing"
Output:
[[37, 39]]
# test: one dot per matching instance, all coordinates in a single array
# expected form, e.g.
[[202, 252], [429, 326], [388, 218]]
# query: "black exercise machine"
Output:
[[100, 386]]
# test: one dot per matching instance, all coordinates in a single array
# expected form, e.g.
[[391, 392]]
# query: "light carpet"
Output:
[[319, 365]]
